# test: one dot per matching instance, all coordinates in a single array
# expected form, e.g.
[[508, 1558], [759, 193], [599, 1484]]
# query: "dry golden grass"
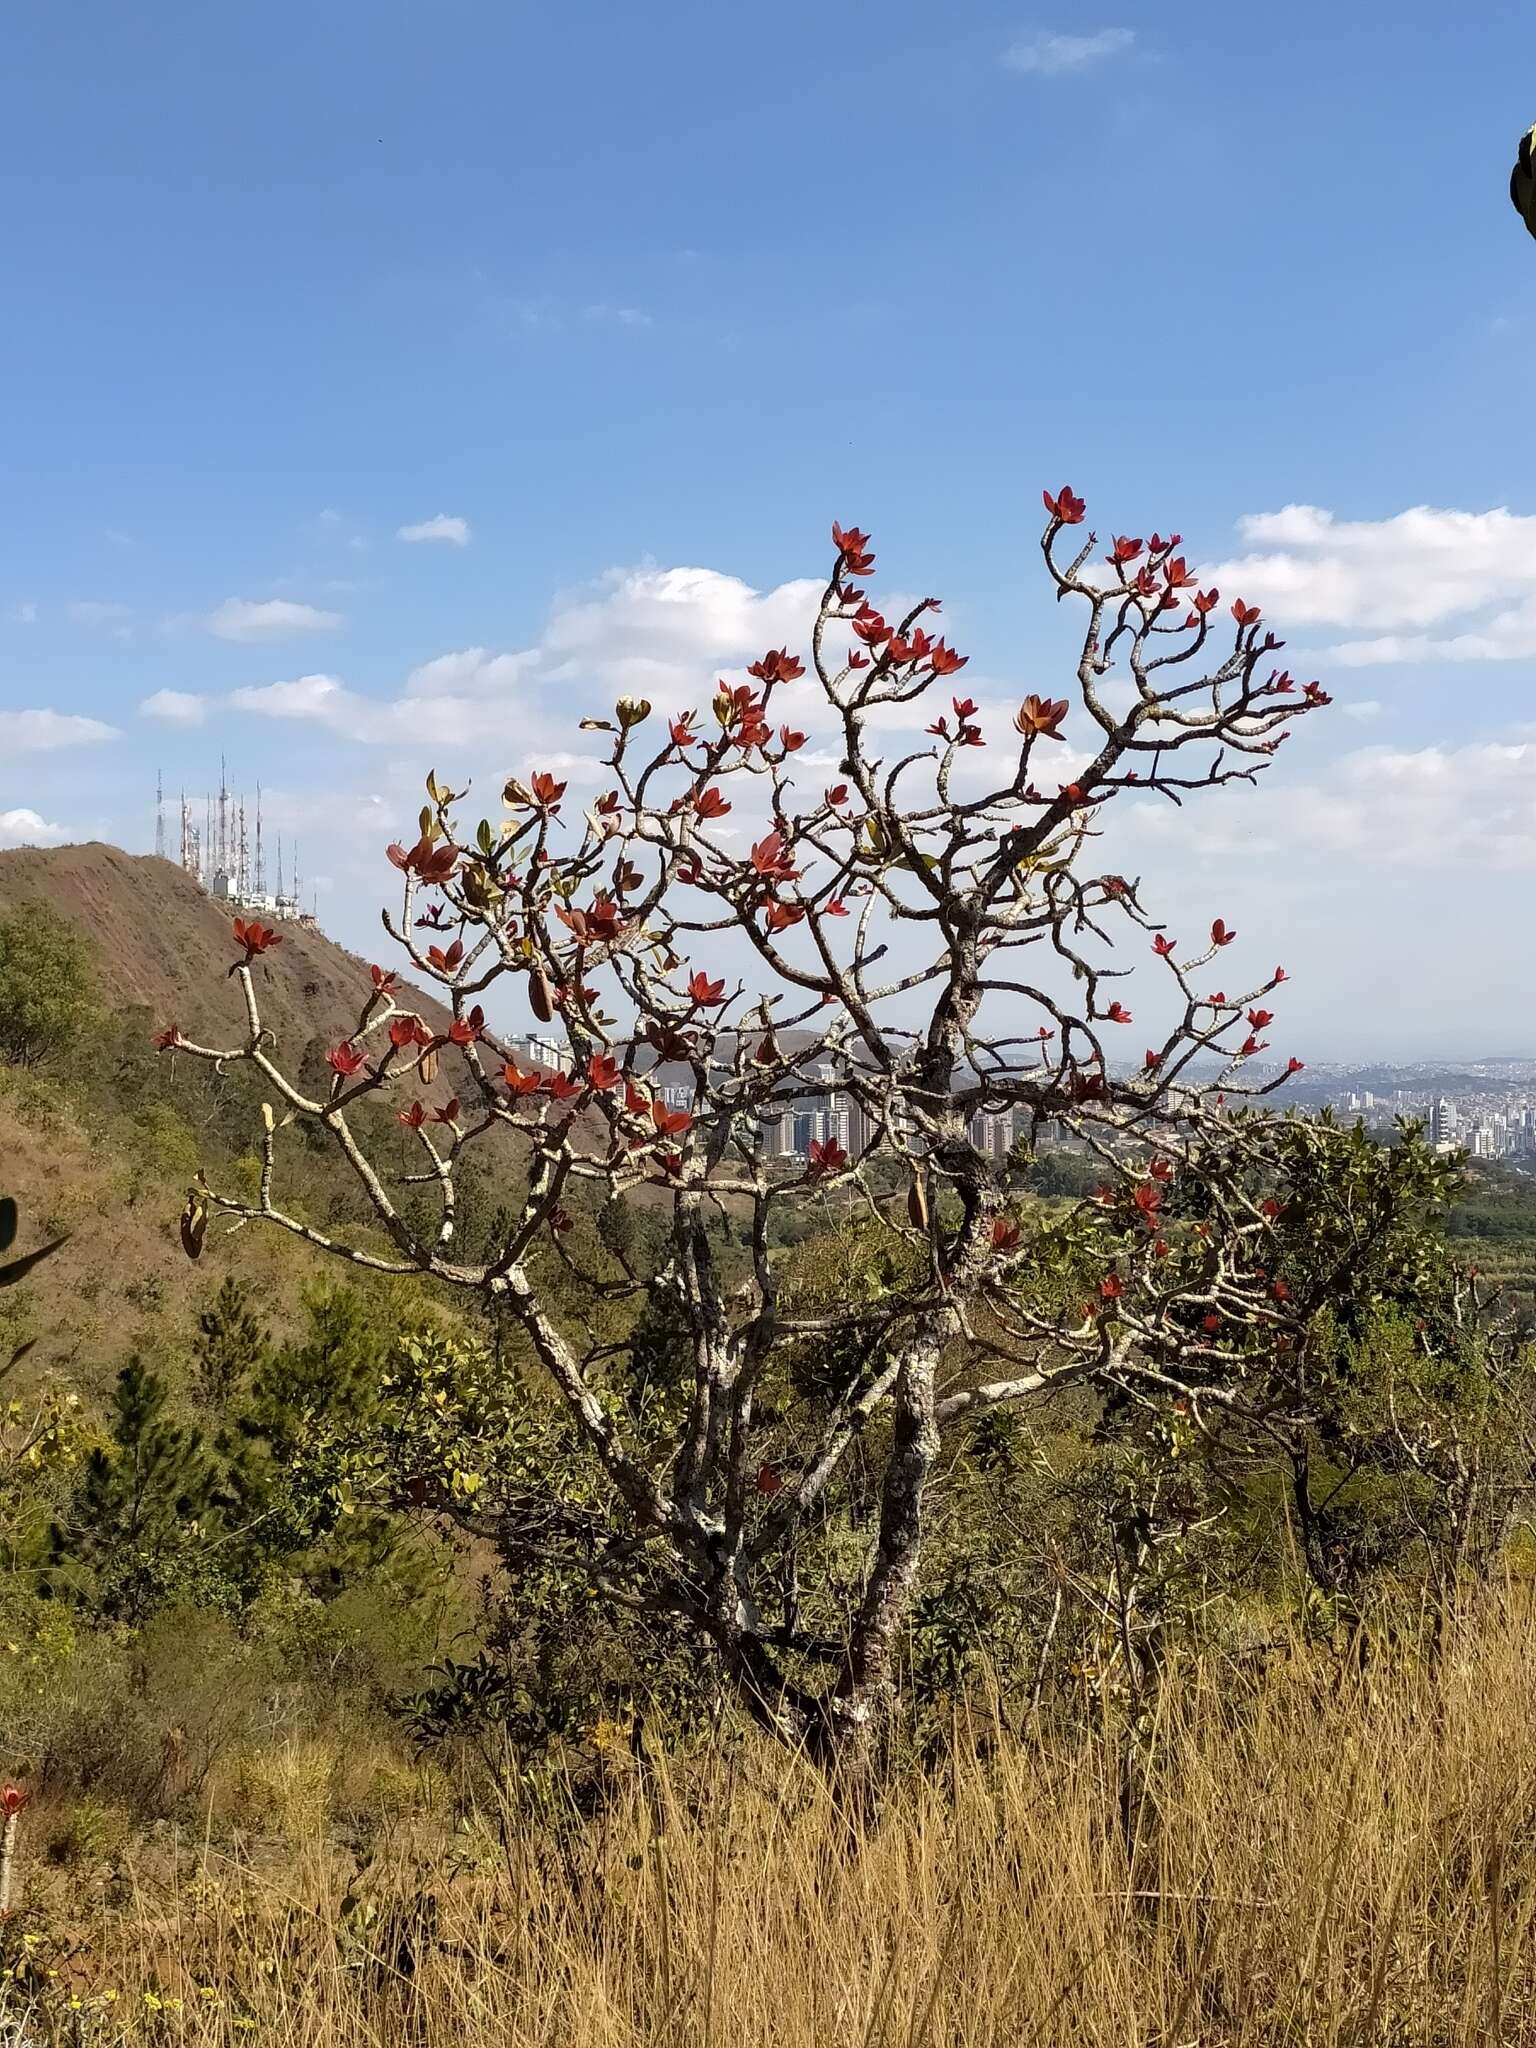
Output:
[[1336, 1856]]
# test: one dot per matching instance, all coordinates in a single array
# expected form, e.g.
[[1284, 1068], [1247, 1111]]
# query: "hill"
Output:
[[105, 1151], [162, 945]]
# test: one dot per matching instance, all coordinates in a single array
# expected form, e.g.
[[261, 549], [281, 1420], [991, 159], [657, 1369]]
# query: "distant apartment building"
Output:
[[991, 1132]]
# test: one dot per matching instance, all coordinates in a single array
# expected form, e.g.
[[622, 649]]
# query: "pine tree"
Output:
[[231, 1350], [332, 1376], [290, 1444], [132, 1534]]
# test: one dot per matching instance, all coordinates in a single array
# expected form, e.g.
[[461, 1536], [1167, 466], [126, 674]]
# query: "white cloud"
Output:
[[29, 828], [1395, 580], [44, 732], [24, 614], [666, 630], [1047, 56], [1362, 708], [443, 526], [475, 671], [661, 633], [1388, 809], [175, 707], [619, 316], [320, 699], [115, 619], [273, 618]]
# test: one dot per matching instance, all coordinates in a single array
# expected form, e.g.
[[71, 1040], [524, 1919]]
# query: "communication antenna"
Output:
[[261, 865], [159, 815]]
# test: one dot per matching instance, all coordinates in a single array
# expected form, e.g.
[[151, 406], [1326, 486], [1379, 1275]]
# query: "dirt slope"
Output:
[[163, 945], [122, 1282]]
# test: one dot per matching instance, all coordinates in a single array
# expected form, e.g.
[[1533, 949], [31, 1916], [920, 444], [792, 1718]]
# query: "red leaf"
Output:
[[778, 666], [770, 858], [824, 1156], [1066, 506], [1041, 717]]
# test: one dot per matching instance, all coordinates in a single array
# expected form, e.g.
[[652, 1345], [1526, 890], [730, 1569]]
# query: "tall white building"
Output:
[[1443, 1122]]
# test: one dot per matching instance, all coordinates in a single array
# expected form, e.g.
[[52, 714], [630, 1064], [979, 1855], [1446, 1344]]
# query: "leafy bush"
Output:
[[49, 998]]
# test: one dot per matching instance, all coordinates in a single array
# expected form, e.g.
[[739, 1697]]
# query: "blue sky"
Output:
[[617, 293]]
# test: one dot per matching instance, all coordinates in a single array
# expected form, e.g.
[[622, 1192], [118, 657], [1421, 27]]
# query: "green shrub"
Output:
[[48, 991]]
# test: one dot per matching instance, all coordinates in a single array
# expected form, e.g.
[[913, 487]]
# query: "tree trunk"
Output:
[[852, 1742]]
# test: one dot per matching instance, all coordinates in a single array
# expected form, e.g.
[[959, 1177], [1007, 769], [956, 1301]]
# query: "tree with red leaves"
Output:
[[921, 949]]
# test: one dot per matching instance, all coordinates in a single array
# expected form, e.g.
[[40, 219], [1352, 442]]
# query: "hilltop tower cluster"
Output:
[[225, 852]]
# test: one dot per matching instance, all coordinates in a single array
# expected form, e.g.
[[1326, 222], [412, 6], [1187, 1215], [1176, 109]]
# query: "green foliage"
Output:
[[133, 1539], [1057, 1174], [291, 1442], [1496, 1204], [230, 1351], [48, 989], [372, 1491]]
